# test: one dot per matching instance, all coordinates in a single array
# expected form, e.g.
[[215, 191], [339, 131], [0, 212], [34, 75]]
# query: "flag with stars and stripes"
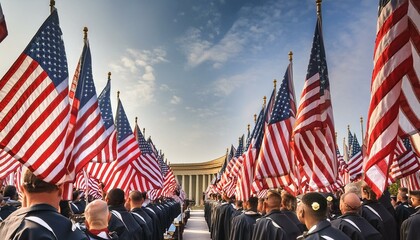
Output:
[[355, 163], [109, 152], [149, 167], [395, 87], [406, 162], [276, 160], [34, 104], [8, 164], [87, 135], [246, 175], [313, 133], [119, 173]]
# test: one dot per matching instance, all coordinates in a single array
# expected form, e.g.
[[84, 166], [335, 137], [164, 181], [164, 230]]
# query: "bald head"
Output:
[[350, 202], [96, 214], [272, 201]]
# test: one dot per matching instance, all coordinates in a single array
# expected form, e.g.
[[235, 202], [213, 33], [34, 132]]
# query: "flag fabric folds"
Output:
[[149, 167], [276, 159], [34, 105], [355, 163], [87, 135], [109, 152], [395, 87], [313, 134], [3, 27]]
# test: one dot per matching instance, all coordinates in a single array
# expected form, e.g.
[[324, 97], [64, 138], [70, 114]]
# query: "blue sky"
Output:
[[194, 72]]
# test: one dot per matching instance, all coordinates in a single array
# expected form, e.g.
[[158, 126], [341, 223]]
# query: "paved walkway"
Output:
[[196, 227]]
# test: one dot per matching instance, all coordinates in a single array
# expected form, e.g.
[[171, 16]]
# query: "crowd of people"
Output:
[[353, 213], [43, 215]]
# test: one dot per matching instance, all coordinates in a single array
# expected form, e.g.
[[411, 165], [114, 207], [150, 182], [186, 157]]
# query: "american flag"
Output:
[[3, 27], [223, 173], [149, 167], [109, 152], [411, 182], [233, 168], [93, 186], [8, 164], [87, 135], [313, 133], [275, 162], [34, 106], [406, 162], [355, 163], [246, 175], [120, 173], [394, 103]]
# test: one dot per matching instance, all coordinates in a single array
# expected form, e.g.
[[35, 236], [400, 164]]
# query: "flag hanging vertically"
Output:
[[313, 133], [246, 175], [276, 159], [3, 27], [34, 106], [395, 87], [109, 152], [149, 167], [87, 135], [355, 163]]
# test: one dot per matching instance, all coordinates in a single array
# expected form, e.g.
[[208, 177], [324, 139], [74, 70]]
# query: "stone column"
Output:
[[204, 183], [190, 188], [197, 191], [210, 179], [183, 182]]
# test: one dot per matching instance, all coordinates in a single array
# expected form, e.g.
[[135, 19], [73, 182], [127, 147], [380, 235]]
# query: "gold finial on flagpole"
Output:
[[249, 126], [227, 151], [85, 30], [144, 132], [255, 118], [118, 94], [109, 75], [290, 56], [52, 5], [318, 7], [135, 120], [264, 100], [275, 83], [348, 128]]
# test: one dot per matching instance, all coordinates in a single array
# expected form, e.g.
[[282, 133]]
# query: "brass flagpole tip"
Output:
[[249, 126], [265, 100], [290, 56], [118, 94], [275, 83], [85, 30], [318, 6], [135, 120], [255, 118], [52, 5], [109, 75]]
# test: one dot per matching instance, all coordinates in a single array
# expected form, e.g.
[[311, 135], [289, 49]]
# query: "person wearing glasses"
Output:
[[410, 228], [351, 223]]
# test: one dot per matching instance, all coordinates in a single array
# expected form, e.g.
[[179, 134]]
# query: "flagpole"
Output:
[[290, 56], [52, 5], [361, 127], [318, 7], [255, 118]]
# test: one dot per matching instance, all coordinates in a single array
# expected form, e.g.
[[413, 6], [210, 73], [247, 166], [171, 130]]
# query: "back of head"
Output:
[[253, 203], [115, 197], [350, 202], [96, 214], [368, 193], [32, 184], [10, 192], [353, 187], [136, 197], [288, 201], [315, 205], [273, 200]]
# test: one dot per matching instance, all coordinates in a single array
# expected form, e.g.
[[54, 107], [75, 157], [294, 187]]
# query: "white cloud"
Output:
[[172, 119], [175, 100], [136, 74]]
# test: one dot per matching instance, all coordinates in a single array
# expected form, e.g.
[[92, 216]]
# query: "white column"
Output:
[[197, 190], [183, 182], [204, 183], [190, 188], [209, 176]]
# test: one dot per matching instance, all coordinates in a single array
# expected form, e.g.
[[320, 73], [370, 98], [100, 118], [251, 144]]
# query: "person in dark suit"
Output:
[[377, 215], [313, 213], [410, 228], [134, 203], [97, 216], [272, 208], [243, 225], [351, 223], [403, 210], [115, 200], [288, 207], [38, 218]]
